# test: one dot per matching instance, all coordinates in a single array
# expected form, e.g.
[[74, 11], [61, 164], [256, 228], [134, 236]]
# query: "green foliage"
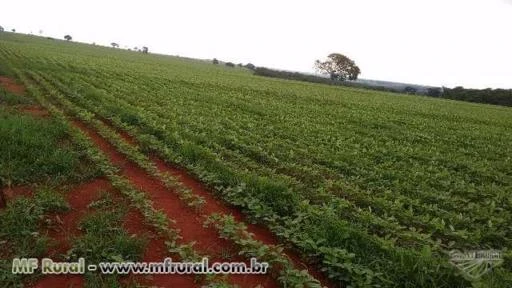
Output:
[[50, 200], [32, 151], [105, 239], [373, 187], [102, 248], [20, 235], [9, 98], [490, 96], [237, 232], [339, 67]]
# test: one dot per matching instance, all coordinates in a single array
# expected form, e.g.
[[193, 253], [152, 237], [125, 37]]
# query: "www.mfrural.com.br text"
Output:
[[167, 266]]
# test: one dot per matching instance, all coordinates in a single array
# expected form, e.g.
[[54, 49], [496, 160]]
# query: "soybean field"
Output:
[[367, 188]]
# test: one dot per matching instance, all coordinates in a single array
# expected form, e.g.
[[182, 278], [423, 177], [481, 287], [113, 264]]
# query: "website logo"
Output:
[[475, 264]]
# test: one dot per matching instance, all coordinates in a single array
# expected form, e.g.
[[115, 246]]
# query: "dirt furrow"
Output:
[[66, 227], [215, 205], [189, 222]]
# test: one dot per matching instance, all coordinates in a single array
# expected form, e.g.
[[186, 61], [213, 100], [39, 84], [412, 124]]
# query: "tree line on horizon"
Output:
[[144, 49], [343, 71], [501, 97]]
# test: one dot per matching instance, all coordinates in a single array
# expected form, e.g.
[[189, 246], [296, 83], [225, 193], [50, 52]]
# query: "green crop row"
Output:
[[157, 219], [133, 154], [372, 187], [339, 264]]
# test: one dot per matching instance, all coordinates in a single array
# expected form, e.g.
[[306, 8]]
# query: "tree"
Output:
[[68, 37], [215, 61], [434, 92], [13, 30], [339, 67], [114, 45], [1, 29], [250, 66], [230, 64], [145, 50], [410, 90]]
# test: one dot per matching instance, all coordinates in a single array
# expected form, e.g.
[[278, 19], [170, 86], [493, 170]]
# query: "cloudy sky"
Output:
[[434, 42]]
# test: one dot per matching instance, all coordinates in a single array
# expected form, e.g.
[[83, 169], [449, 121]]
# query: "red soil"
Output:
[[155, 252], [17, 89], [214, 205], [34, 110], [10, 193], [11, 85], [78, 199], [189, 222]]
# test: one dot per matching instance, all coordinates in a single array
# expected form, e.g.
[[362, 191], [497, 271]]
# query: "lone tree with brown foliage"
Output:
[[339, 67]]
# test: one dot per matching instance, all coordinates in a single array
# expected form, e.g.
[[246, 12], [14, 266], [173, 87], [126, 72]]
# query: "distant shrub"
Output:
[[410, 90], [250, 66], [434, 92], [262, 71], [215, 61], [230, 64], [491, 96]]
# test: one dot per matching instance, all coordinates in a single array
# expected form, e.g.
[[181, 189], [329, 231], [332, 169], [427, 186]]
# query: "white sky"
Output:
[[435, 42]]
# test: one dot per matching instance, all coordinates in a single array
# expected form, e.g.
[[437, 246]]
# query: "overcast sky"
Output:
[[434, 42]]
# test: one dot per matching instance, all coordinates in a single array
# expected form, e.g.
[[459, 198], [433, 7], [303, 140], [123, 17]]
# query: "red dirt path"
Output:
[[78, 199], [11, 85], [34, 110], [8, 194], [189, 222], [17, 89], [155, 252], [214, 205]]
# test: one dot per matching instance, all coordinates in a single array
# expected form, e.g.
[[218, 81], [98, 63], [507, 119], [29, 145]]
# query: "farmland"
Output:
[[372, 189]]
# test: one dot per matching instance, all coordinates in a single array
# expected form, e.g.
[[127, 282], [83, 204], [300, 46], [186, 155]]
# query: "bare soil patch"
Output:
[[10, 85], [34, 110], [189, 222]]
